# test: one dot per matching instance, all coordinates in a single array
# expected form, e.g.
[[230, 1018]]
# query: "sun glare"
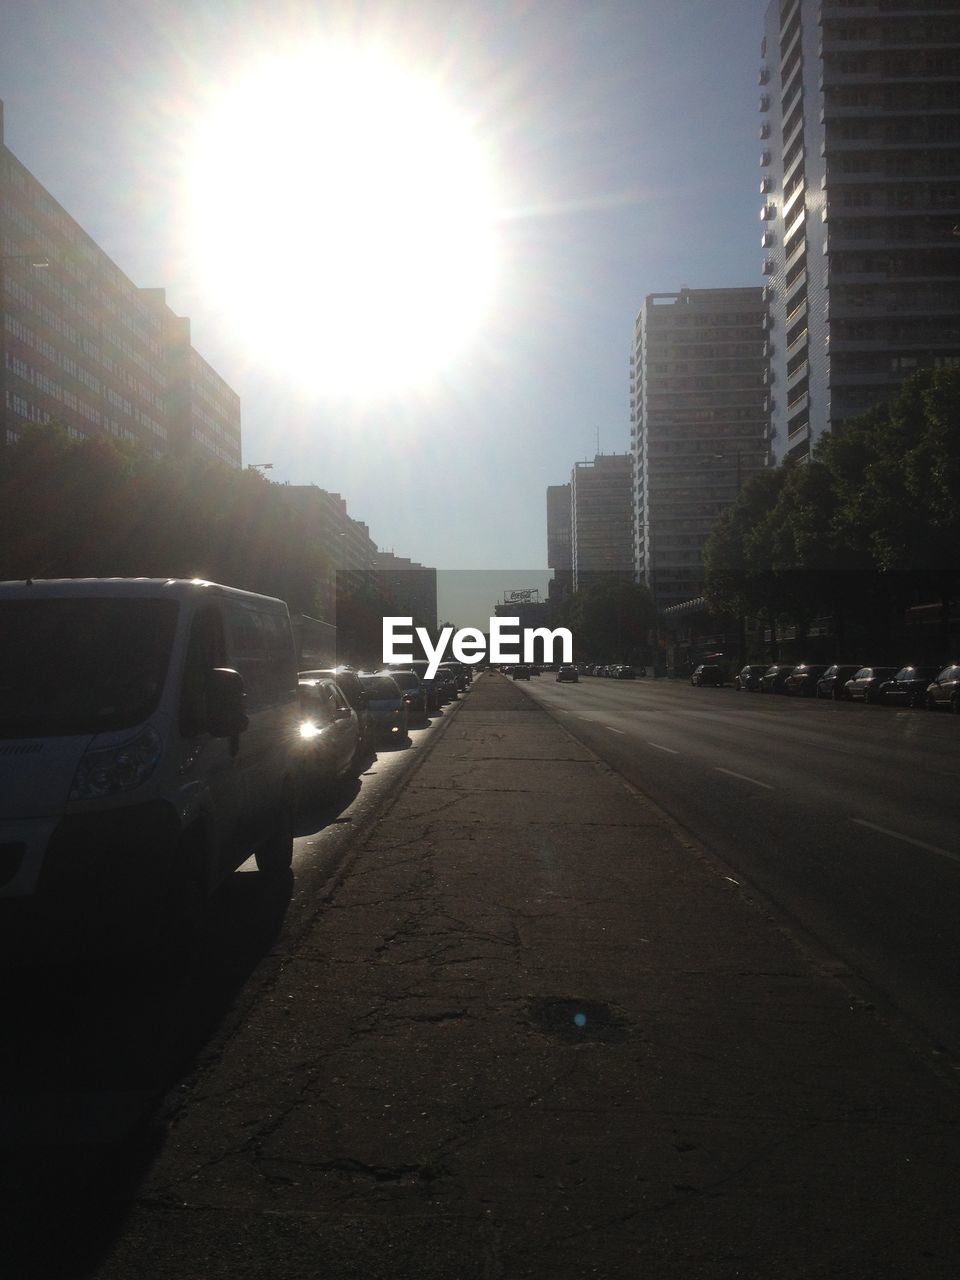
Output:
[[340, 214]]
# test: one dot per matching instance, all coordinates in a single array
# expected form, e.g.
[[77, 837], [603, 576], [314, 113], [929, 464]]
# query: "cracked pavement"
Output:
[[536, 1032]]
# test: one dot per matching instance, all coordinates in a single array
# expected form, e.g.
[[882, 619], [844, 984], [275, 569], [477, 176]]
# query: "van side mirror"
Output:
[[225, 699]]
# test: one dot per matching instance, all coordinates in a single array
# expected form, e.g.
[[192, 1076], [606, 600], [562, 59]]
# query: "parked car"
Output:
[[832, 684], [625, 673], [329, 735], [419, 665], [866, 682], [149, 730], [708, 674], [802, 680], [909, 686], [568, 674], [458, 671], [446, 683], [521, 673], [348, 682], [945, 690], [386, 704], [775, 677], [748, 677], [414, 695]]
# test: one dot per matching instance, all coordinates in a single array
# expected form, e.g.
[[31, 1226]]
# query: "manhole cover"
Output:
[[574, 1021]]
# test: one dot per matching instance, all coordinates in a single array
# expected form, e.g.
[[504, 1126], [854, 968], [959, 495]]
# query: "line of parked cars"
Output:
[[347, 713], [156, 733], [613, 670], [911, 685]]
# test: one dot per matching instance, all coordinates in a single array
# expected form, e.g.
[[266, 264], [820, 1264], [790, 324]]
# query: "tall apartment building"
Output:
[[860, 160], [559, 541], [346, 544], [409, 588], [601, 519], [699, 426], [80, 344]]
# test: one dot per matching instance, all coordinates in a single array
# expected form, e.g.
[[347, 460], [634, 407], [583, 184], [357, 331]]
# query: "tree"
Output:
[[610, 620]]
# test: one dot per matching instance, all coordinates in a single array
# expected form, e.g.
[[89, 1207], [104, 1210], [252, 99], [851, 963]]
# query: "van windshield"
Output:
[[81, 666]]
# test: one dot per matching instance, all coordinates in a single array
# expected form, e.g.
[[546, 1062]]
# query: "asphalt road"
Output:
[[846, 816]]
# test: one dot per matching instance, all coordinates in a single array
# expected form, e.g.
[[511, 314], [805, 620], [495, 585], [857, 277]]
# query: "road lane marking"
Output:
[[589, 719], [743, 778], [613, 730], [919, 844], [659, 748]]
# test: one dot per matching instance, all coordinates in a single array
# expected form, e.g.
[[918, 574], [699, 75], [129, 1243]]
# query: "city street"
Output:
[[844, 815]]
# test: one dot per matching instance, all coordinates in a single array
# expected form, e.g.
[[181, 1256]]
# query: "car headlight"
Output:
[[109, 771]]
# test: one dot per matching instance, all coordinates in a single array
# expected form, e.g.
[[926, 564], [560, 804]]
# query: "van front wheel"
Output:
[[274, 855]]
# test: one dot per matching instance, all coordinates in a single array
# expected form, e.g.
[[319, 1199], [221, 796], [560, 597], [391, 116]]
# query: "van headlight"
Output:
[[108, 771]]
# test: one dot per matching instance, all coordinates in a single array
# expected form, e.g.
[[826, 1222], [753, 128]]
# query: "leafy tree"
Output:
[[610, 620]]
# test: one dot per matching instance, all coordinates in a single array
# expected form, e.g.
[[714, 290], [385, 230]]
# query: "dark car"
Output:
[[446, 683], [945, 690], [414, 695], [387, 706], [866, 682], [521, 673], [832, 684], [420, 666], [908, 687], [349, 684], [708, 674], [775, 677], [802, 680], [459, 673], [748, 677], [329, 735], [568, 673], [625, 673]]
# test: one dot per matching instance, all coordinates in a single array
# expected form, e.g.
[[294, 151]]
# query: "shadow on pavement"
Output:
[[89, 1049]]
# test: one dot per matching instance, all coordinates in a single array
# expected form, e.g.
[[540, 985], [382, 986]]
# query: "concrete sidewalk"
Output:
[[535, 1033]]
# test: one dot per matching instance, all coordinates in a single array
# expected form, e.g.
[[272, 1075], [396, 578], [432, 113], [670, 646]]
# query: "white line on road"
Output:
[[589, 719], [919, 844], [659, 748], [613, 730], [743, 778]]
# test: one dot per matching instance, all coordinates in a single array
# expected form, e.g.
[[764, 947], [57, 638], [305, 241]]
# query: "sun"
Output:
[[340, 215]]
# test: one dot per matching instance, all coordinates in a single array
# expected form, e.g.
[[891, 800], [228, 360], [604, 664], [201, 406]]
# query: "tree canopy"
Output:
[[97, 508]]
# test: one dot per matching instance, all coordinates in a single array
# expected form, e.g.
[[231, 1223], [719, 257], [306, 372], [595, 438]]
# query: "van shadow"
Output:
[[90, 1049]]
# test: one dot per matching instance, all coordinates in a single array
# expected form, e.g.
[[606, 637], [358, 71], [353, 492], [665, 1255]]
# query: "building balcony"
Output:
[[798, 344], [799, 372], [765, 131], [799, 403], [763, 76]]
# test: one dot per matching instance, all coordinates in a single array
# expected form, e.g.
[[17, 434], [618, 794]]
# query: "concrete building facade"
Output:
[[408, 587], [559, 541], [699, 426], [81, 345], [601, 519], [860, 186]]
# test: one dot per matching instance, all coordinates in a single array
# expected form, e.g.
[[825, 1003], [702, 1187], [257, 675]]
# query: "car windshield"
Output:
[[380, 686], [81, 665], [406, 679]]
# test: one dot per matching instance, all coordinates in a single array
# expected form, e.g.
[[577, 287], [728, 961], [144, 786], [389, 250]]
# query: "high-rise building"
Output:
[[81, 345], [699, 426], [860, 163], [349, 551], [601, 520], [559, 541], [409, 588]]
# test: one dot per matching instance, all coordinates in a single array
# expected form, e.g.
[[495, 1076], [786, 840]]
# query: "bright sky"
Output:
[[472, 198]]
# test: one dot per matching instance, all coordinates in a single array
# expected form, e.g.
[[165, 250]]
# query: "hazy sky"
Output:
[[623, 143]]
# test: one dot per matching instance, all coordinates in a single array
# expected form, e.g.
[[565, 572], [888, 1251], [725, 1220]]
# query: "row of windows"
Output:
[[899, 197]]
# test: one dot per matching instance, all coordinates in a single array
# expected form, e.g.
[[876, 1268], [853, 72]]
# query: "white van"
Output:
[[148, 736]]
